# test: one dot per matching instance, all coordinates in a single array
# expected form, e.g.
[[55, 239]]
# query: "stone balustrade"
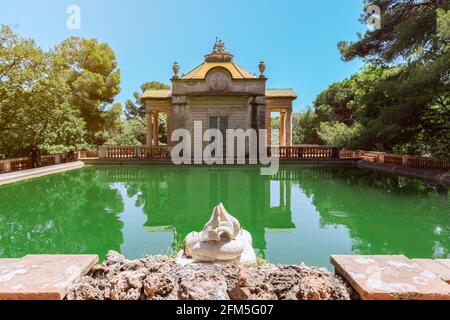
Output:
[[395, 159], [24, 163], [133, 152], [91, 154], [304, 152]]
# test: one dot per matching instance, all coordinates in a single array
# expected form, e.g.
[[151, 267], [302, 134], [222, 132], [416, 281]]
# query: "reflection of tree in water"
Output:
[[385, 214], [71, 213]]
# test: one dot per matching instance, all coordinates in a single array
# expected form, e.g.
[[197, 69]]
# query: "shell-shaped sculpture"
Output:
[[222, 240], [222, 225]]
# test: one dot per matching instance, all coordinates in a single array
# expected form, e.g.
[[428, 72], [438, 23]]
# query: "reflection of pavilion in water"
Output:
[[181, 200]]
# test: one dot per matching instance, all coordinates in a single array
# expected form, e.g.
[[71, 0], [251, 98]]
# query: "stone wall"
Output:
[[187, 110]]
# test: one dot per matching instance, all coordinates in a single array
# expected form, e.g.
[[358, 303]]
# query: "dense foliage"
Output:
[[401, 100], [56, 100]]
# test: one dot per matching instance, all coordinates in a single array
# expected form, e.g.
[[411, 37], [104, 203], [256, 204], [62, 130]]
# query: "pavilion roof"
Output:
[[281, 93], [156, 94], [219, 58], [237, 72]]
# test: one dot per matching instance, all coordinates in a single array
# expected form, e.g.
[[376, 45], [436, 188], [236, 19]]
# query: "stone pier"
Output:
[[42, 277], [395, 277]]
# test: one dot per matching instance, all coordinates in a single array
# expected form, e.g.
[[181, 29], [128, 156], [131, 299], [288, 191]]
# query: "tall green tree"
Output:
[[341, 109], [406, 111], [93, 77], [400, 100], [412, 31], [35, 107], [304, 128]]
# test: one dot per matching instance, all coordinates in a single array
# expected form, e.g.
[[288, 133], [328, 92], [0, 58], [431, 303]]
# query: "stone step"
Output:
[[390, 278], [42, 277], [436, 267], [6, 262], [444, 262]]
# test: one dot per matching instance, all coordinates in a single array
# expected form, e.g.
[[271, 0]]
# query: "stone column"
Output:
[[169, 127], [268, 127], [260, 104], [289, 128], [149, 128], [261, 116], [283, 128], [155, 128], [7, 166], [103, 152]]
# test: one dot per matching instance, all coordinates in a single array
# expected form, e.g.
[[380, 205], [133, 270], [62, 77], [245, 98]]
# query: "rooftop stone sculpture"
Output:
[[222, 240]]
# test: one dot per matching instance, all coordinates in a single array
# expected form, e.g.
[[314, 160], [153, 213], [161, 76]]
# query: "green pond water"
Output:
[[303, 214]]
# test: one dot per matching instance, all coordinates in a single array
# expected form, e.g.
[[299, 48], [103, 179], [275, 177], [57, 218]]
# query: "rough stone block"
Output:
[[42, 277], [390, 278], [7, 262], [444, 262], [435, 267]]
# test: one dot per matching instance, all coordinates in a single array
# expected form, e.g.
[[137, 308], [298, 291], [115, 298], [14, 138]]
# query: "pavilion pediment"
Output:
[[218, 79], [219, 83]]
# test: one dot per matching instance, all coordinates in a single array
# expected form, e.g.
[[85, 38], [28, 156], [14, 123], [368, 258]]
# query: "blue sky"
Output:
[[297, 39]]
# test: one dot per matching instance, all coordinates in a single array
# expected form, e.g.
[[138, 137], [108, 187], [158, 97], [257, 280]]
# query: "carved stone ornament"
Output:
[[218, 80], [262, 68], [176, 70], [219, 53]]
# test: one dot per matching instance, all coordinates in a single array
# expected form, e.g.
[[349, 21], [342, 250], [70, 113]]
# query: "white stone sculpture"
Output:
[[222, 240]]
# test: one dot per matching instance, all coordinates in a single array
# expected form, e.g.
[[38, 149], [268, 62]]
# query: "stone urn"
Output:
[[176, 70], [262, 69], [221, 241]]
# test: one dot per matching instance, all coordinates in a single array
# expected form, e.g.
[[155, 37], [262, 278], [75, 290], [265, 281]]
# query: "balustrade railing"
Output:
[[398, 160], [20, 164], [427, 163], [120, 152], [349, 154], [24, 163], [48, 161], [142, 152], [304, 152], [307, 152], [88, 154], [393, 159]]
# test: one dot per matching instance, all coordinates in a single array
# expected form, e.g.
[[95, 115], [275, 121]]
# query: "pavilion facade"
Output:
[[222, 95]]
